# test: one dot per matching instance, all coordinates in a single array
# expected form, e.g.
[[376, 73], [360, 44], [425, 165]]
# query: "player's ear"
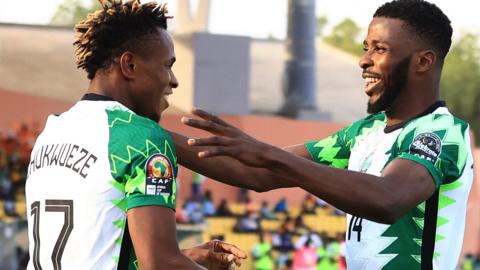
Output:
[[127, 65], [425, 60]]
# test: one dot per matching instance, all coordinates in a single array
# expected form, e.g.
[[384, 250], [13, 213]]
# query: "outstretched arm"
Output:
[[229, 170], [384, 198]]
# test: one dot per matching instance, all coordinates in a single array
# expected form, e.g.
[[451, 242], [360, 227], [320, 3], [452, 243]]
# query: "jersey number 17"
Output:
[[65, 206]]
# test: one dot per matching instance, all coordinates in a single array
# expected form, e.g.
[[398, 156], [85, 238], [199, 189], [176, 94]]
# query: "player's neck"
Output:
[[403, 111], [106, 86], [417, 96]]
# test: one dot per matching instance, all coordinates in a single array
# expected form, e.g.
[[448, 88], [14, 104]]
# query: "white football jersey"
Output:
[[429, 236], [88, 167]]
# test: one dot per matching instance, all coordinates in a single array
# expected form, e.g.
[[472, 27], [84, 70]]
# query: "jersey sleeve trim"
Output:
[[311, 149], [147, 200], [436, 175]]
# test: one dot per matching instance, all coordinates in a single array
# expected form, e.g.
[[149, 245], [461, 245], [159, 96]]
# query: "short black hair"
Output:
[[425, 19], [116, 28]]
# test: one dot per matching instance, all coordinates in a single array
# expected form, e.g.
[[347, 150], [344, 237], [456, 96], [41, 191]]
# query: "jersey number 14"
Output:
[[355, 226]]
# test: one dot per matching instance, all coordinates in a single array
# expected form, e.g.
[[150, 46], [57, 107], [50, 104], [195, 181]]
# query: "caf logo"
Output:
[[159, 167], [159, 175]]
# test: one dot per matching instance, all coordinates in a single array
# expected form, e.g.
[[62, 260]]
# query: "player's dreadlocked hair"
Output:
[[116, 28], [425, 19]]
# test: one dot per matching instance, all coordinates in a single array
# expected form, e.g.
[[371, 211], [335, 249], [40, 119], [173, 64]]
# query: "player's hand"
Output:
[[217, 255], [228, 140]]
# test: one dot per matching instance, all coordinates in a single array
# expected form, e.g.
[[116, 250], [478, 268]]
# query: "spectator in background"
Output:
[[333, 251], [207, 204], [315, 240], [7, 191], [15, 148], [282, 241], [341, 257], [194, 210], [11, 146], [181, 215], [477, 262], [262, 252], [300, 226], [4, 171], [8, 160], [191, 205], [309, 205], [266, 213], [17, 177], [305, 257], [197, 182], [321, 203], [468, 262], [324, 261], [332, 210], [250, 206], [223, 209], [249, 222], [3, 152], [243, 195], [196, 216], [26, 137], [281, 206]]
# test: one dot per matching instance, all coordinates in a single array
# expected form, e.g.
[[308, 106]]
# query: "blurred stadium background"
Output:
[[249, 82]]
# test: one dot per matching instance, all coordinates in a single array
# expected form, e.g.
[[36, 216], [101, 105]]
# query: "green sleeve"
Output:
[[332, 151], [142, 160], [152, 177], [438, 143], [335, 150]]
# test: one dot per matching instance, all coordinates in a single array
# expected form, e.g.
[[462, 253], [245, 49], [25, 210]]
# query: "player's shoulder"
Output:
[[366, 124], [434, 133], [132, 133], [439, 121], [126, 125]]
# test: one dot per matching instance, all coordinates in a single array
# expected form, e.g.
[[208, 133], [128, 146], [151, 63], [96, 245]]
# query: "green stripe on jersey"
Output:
[[133, 140]]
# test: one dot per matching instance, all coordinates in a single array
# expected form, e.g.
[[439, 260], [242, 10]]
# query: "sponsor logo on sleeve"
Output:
[[159, 173], [427, 146]]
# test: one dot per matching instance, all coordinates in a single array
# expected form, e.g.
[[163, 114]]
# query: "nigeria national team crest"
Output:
[[427, 146], [159, 173]]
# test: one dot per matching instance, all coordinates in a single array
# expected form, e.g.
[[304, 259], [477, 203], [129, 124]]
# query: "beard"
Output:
[[396, 84]]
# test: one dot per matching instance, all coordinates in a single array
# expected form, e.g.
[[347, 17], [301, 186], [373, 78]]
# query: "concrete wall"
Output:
[[338, 77], [18, 108], [222, 70], [230, 74], [213, 72], [40, 61]]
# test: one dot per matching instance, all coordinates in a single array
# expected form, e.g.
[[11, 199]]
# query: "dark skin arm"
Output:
[[153, 232], [225, 169], [152, 229], [402, 185], [216, 254]]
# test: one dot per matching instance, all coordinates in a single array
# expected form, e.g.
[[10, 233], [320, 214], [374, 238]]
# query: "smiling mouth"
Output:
[[164, 102], [371, 83]]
